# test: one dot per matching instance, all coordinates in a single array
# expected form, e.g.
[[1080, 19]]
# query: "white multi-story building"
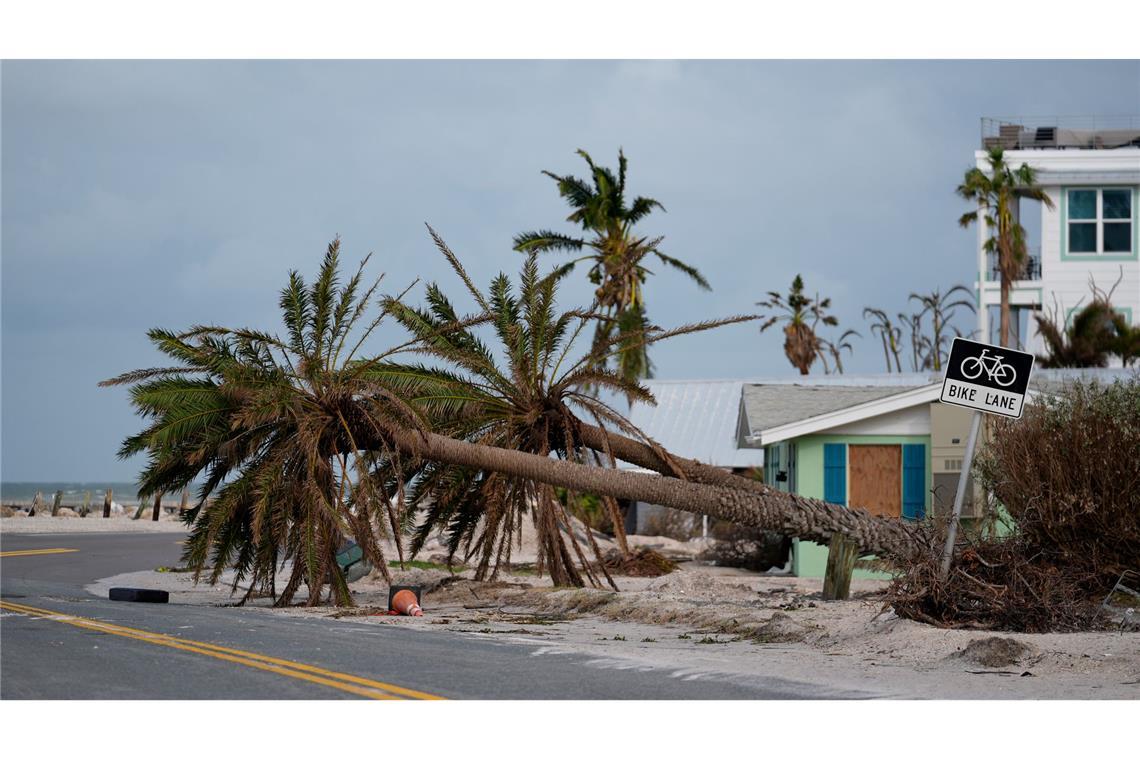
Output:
[[1090, 169]]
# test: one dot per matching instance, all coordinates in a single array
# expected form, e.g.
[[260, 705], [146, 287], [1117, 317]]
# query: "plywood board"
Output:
[[875, 473]]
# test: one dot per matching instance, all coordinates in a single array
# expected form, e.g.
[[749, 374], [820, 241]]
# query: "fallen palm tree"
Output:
[[298, 443]]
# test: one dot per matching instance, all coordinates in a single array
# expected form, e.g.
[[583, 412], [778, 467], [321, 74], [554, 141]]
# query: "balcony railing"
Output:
[[1031, 272], [1077, 132]]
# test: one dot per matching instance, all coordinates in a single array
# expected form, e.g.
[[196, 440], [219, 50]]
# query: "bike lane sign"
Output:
[[988, 378]]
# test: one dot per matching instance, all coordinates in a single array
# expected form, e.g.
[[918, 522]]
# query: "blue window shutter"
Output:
[[914, 481], [835, 473]]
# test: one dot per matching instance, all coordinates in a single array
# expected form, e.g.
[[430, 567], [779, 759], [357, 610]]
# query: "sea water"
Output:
[[14, 492]]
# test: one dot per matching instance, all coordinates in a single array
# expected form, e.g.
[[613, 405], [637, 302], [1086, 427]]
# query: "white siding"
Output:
[[1065, 284], [914, 420]]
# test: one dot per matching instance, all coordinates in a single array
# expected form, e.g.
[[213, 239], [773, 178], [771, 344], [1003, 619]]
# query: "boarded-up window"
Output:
[[876, 479]]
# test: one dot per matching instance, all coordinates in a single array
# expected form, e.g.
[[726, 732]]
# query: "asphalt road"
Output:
[[59, 642]]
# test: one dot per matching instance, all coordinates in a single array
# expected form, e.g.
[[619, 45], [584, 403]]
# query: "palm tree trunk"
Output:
[[1004, 326], [764, 508]]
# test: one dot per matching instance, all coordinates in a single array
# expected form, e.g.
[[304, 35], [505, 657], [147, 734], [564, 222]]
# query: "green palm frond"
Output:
[[615, 253]]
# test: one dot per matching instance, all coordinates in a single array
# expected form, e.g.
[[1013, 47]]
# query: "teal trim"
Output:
[[914, 481], [835, 473], [1066, 256]]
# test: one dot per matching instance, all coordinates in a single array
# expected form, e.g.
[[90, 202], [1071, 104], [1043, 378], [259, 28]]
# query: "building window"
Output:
[[1100, 221]]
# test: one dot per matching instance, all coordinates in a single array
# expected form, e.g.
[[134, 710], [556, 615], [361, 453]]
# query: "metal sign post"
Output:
[[959, 497], [985, 378]]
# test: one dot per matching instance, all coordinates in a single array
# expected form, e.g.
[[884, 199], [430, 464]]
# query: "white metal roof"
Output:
[[707, 420], [697, 419]]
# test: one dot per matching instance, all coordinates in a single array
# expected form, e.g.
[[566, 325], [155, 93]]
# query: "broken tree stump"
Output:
[[841, 555], [86, 508], [37, 503], [185, 501], [107, 503], [55, 502]]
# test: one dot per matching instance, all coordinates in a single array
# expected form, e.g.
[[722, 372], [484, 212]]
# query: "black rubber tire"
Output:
[[151, 595]]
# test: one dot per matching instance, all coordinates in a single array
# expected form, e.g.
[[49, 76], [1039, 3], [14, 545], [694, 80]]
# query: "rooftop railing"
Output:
[[1031, 272], [1076, 132]]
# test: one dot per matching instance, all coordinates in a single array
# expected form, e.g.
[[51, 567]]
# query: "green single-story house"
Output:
[[865, 445], [883, 443]]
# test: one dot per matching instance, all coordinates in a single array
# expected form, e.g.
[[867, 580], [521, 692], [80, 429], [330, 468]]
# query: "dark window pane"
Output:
[[1118, 237], [1117, 204], [1082, 238], [1082, 204]]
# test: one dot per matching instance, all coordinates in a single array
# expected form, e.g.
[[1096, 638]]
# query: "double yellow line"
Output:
[[364, 687], [30, 552]]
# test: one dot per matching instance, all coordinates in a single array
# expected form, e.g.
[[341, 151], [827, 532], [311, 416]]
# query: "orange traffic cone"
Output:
[[404, 602]]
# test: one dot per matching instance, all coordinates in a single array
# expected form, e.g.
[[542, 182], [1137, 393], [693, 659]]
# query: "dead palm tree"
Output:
[[616, 256], [889, 334], [802, 316], [834, 349], [941, 307], [996, 195]]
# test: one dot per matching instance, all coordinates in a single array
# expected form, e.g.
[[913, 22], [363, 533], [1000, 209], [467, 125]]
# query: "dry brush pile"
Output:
[[1068, 477]]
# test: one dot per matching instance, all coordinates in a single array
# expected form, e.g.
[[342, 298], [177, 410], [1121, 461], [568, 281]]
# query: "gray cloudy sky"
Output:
[[169, 193]]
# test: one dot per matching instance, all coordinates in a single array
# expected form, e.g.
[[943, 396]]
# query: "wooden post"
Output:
[[157, 507], [107, 503], [55, 502], [86, 504], [37, 502], [841, 555], [185, 501]]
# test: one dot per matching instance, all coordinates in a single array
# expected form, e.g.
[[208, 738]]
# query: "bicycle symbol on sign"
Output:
[[996, 370]]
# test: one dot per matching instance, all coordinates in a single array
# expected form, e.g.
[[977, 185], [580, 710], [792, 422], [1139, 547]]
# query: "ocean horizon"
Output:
[[123, 492]]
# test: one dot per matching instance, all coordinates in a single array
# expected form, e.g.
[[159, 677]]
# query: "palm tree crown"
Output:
[[802, 316], [531, 400], [616, 255], [996, 195], [267, 424]]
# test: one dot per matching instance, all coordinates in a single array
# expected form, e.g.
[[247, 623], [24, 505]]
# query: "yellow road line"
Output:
[[30, 552], [342, 681]]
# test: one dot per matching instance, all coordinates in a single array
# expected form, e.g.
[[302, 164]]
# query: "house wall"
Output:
[[912, 421], [809, 559], [1064, 281]]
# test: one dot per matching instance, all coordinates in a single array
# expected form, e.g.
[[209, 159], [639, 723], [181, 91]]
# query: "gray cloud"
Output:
[[138, 194]]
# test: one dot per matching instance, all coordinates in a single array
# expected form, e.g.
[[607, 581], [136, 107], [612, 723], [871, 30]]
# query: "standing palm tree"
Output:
[[889, 334], [616, 257], [834, 349], [941, 306], [996, 196], [802, 315]]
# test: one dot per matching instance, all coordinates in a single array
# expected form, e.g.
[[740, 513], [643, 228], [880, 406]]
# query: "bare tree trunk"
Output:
[[764, 508]]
